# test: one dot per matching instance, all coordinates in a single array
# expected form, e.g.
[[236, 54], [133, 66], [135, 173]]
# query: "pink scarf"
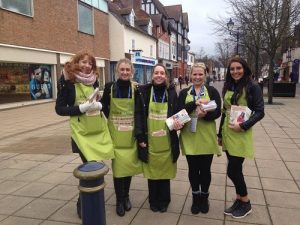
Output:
[[86, 79]]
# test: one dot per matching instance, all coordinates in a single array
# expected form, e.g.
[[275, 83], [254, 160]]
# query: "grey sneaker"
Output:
[[243, 209], [230, 210]]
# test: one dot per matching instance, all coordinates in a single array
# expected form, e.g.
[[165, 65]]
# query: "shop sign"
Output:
[[168, 65], [143, 61]]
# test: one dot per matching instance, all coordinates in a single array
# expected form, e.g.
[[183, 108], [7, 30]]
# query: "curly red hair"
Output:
[[71, 67]]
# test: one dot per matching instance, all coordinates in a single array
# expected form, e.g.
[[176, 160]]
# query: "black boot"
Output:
[[120, 210], [204, 202], [195, 209], [127, 204]]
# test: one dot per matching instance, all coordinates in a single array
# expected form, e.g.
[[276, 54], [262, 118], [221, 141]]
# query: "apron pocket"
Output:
[[91, 124], [123, 139], [160, 143]]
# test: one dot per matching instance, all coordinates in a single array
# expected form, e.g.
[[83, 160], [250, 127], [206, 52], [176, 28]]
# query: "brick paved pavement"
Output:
[[37, 185]]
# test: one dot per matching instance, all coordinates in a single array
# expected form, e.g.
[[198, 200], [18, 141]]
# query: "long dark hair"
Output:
[[242, 83]]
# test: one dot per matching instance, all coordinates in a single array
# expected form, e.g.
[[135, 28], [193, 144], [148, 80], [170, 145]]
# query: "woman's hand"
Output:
[[200, 112], [200, 101], [235, 126], [220, 141], [177, 125], [143, 144]]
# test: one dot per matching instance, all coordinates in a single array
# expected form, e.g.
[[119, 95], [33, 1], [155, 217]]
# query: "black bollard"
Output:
[[91, 187]]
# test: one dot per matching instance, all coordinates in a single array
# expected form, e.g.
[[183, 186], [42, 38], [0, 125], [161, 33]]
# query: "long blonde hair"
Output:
[[125, 61], [198, 65]]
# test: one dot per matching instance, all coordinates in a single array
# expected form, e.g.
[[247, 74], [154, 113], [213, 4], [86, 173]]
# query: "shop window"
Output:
[[151, 50], [98, 4], [138, 74], [101, 78], [23, 82], [85, 18], [22, 7]]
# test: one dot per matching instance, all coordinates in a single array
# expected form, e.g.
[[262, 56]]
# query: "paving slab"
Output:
[[40, 208], [13, 220], [284, 216]]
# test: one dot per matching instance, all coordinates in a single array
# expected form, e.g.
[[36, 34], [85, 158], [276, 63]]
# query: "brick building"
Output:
[[42, 35]]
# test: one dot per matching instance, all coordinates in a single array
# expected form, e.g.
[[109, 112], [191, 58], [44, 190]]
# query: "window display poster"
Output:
[[40, 81], [23, 82]]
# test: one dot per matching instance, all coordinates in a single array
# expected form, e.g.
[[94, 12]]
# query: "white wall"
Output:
[[116, 39], [142, 41]]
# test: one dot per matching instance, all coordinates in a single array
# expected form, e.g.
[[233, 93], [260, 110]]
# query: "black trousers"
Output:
[[199, 171], [122, 186], [235, 173], [159, 193]]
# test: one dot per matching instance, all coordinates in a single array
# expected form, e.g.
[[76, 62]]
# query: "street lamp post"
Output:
[[230, 26]]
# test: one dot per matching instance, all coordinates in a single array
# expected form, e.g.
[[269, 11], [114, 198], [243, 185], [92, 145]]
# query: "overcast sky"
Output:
[[201, 30]]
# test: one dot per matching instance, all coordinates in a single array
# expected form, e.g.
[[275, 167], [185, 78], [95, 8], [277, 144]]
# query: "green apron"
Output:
[[90, 133], [204, 140], [160, 165], [236, 143], [121, 127]]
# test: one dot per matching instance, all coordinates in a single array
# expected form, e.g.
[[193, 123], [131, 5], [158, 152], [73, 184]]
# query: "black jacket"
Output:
[[141, 114], [255, 102], [191, 106], [65, 103], [122, 92], [66, 98]]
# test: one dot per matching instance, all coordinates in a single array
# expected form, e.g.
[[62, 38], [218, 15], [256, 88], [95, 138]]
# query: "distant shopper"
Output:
[[186, 80], [198, 138], [180, 80], [119, 106], [236, 137], [158, 147], [89, 131]]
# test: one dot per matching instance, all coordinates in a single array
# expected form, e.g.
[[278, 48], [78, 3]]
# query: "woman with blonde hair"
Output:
[[198, 138], [119, 106], [89, 131]]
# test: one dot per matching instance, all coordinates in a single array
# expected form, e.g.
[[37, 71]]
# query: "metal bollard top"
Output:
[[90, 170]]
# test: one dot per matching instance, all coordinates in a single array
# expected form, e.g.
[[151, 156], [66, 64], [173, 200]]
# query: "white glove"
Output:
[[96, 106], [84, 107]]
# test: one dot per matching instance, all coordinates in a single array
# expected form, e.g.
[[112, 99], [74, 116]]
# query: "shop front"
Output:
[[142, 67], [30, 75], [169, 67], [25, 82]]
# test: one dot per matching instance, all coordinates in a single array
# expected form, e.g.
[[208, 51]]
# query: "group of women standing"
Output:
[[128, 126]]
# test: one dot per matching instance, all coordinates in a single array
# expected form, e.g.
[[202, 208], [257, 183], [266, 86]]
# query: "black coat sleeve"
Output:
[[65, 98], [214, 95], [139, 117], [173, 105], [221, 125], [256, 104], [105, 100], [190, 106]]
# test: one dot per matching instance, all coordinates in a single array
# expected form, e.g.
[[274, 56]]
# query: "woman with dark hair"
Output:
[[118, 106], [158, 147], [236, 137], [89, 131], [198, 137]]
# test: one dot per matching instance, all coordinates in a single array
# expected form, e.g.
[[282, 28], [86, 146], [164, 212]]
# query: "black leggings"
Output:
[[235, 173], [122, 186], [199, 171], [159, 193]]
